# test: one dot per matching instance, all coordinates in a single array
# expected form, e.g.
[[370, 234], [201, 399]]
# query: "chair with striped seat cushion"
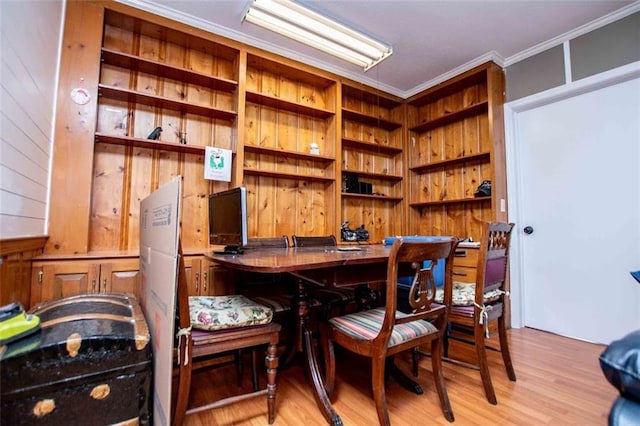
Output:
[[381, 333]]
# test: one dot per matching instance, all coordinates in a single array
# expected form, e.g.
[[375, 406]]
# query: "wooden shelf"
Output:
[[274, 102], [293, 176], [371, 98], [456, 84], [374, 147], [370, 120], [482, 156], [136, 63], [287, 153], [149, 143], [445, 202], [451, 117], [372, 197], [133, 96], [372, 175]]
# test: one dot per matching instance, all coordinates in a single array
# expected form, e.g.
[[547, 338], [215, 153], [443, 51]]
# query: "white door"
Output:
[[577, 186]]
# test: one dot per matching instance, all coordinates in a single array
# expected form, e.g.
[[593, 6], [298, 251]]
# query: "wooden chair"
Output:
[[277, 291], [315, 241], [195, 348], [474, 306], [383, 332], [333, 300]]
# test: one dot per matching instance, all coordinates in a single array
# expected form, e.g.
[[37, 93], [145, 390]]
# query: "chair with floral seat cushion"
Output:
[[473, 306], [382, 332], [216, 325]]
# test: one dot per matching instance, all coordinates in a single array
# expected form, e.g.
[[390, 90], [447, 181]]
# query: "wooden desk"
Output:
[[326, 266]]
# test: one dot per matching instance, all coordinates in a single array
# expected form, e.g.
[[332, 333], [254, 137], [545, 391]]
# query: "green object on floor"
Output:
[[15, 323]]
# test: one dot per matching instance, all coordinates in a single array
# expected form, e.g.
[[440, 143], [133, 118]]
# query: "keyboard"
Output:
[[349, 248]]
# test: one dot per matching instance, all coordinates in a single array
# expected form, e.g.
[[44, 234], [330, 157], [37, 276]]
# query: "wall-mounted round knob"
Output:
[[528, 230]]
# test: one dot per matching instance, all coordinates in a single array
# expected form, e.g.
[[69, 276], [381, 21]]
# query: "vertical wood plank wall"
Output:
[[144, 71], [285, 106]]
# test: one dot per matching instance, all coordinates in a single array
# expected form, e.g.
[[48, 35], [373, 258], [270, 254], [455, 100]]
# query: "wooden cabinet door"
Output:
[[192, 271], [57, 279], [122, 276], [218, 280], [62, 279], [206, 278]]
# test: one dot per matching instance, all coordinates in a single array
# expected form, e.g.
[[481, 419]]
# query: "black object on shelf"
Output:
[[155, 135], [351, 184]]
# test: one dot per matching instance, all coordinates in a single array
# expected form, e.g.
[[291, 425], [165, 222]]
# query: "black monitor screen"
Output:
[[228, 219]]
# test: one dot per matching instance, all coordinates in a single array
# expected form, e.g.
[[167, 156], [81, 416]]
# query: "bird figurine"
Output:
[[155, 135]]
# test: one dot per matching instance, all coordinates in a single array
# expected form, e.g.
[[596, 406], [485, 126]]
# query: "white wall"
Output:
[[30, 34]]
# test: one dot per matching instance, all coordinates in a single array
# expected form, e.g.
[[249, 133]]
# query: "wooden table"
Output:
[[326, 266]]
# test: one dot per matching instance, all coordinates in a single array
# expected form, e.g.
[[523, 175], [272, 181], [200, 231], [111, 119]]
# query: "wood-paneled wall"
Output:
[[29, 75], [15, 269]]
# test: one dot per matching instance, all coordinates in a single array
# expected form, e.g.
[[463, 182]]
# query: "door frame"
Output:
[[515, 185]]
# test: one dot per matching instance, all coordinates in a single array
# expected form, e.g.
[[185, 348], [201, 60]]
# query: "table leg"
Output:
[[305, 343]]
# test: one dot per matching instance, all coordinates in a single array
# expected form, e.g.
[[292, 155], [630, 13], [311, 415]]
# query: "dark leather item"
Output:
[[484, 189], [620, 363]]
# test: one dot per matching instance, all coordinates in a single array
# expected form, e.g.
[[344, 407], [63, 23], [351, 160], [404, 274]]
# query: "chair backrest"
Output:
[[493, 258], [267, 242], [407, 258], [324, 241]]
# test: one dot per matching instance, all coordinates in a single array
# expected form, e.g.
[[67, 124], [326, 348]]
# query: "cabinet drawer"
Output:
[[464, 274], [466, 257]]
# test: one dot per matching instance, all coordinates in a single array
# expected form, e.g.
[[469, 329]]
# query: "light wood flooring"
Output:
[[559, 383]]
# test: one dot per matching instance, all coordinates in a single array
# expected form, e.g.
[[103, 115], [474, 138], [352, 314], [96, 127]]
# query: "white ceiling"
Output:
[[432, 39]]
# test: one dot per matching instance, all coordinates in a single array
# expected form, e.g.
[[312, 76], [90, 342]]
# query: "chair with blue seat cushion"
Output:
[[382, 332]]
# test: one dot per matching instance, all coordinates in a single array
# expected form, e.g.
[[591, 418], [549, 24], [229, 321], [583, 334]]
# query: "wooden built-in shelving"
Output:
[[372, 138], [184, 107], [132, 62], [455, 141]]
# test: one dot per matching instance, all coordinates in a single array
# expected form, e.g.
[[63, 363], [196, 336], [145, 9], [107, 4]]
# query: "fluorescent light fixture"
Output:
[[306, 26]]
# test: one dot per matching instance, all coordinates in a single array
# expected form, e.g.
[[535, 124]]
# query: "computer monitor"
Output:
[[228, 220]]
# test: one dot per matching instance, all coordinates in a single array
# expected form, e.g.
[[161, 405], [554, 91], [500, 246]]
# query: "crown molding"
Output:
[[489, 56], [167, 12], [494, 56], [577, 32]]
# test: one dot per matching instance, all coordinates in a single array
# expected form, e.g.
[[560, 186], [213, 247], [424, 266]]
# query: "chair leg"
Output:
[[377, 381], [438, 376], [271, 361], [481, 353], [504, 349]]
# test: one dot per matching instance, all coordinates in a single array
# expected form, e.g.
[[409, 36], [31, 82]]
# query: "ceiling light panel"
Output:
[[306, 26]]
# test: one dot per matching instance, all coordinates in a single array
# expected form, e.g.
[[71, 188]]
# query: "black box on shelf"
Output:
[[351, 183], [365, 188]]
